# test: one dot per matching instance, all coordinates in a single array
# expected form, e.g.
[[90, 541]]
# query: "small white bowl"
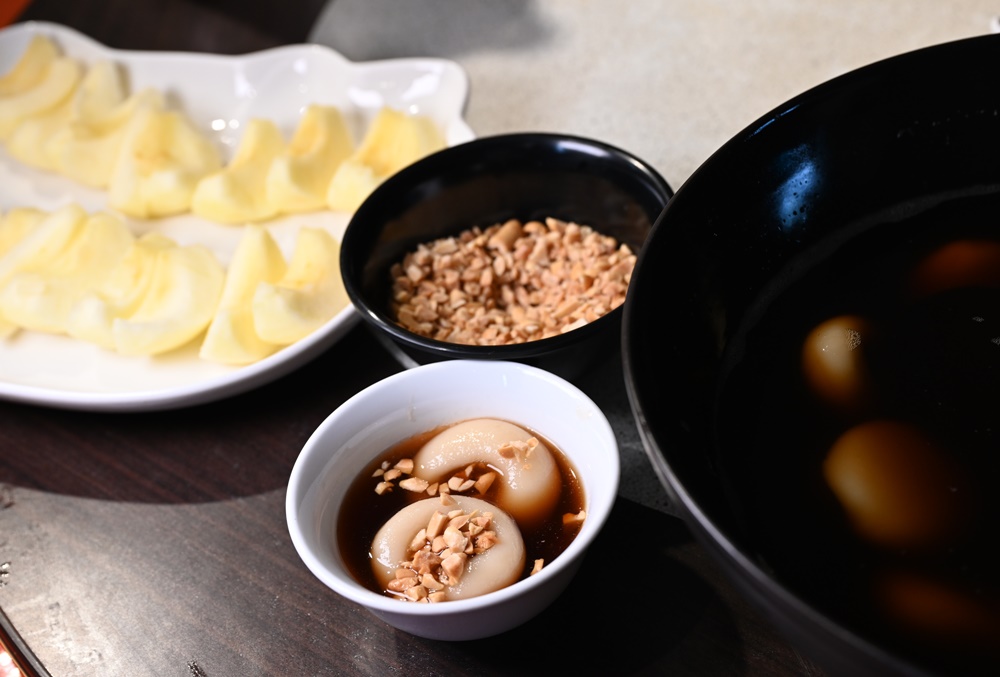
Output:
[[418, 400]]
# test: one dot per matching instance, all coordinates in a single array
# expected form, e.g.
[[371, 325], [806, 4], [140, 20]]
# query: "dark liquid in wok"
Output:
[[932, 358]]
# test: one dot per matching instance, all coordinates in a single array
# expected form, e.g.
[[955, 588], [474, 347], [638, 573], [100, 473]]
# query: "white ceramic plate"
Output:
[[219, 93]]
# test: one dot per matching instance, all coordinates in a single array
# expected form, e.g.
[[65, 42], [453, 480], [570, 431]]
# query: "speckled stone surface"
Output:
[[670, 81]]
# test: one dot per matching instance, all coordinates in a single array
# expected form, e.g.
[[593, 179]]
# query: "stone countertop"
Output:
[[668, 81]]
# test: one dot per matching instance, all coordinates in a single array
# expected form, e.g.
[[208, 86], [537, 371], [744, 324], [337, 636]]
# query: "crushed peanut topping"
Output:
[[477, 477], [518, 449], [414, 484], [439, 552], [510, 283]]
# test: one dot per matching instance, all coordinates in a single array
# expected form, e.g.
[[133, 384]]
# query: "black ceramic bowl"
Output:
[[482, 182], [865, 155]]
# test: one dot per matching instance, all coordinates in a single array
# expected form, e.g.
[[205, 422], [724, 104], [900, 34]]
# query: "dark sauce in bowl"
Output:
[[931, 357]]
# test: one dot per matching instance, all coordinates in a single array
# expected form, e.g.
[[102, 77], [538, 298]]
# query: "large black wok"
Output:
[[881, 143]]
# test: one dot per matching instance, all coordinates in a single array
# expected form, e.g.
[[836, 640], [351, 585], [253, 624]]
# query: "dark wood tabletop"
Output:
[[155, 543]]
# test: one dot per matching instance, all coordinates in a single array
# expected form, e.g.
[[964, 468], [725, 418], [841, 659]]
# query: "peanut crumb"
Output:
[[436, 526], [476, 476], [520, 450], [415, 484], [438, 553], [484, 482], [511, 282], [416, 593], [453, 567]]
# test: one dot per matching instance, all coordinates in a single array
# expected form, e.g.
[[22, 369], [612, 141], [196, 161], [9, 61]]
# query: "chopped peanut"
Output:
[[459, 484], [416, 593], [476, 476], [425, 561], [414, 484], [436, 526], [454, 566], [510, 283], [521, 450], [431, 583], [506, 236], [454, 539], [484, 482], [458, 521], [402, 584], [485, 540], [418, 540], [438, 554]]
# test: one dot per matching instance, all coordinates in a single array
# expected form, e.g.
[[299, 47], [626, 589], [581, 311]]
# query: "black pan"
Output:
[[884, 143]]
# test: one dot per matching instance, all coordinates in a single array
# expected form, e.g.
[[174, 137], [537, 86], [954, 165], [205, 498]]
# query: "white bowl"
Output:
[[418, 400]]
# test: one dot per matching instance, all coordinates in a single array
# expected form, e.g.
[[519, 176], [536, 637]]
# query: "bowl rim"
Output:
[[599, 504]]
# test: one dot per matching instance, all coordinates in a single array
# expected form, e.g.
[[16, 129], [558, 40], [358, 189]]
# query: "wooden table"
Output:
[[155, 543]]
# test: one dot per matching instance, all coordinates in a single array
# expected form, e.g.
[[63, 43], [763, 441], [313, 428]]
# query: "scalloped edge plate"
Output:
[[219, 93]]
